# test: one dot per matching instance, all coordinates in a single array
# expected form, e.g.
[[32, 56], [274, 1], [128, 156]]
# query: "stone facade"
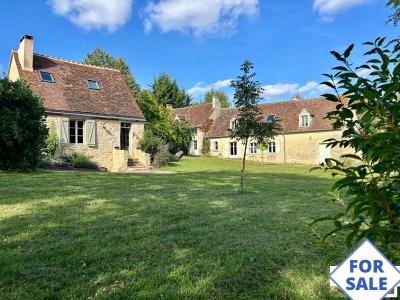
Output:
[[107, 138], [307, 148]]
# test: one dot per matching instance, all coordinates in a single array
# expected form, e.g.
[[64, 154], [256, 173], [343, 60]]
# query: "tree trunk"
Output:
[[243, 167]]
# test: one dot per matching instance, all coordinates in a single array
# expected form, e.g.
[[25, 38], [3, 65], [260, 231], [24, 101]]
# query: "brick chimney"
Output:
[[25, 53]]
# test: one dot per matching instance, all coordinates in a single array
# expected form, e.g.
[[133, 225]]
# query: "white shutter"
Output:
[[64, 131], [91, 132]]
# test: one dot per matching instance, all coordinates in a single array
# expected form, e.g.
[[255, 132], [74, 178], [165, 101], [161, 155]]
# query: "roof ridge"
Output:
[[290, 101], [74, 62]]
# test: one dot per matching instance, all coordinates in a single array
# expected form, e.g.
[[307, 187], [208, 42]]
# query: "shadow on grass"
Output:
[[80, 235]]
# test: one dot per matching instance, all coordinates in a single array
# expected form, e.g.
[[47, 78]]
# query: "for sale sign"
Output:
[[366, 274]]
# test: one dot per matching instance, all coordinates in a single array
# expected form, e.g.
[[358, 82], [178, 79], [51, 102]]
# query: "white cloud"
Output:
[[201, 18], [329, 8], [200, 89], [94, 14], [310, 89]]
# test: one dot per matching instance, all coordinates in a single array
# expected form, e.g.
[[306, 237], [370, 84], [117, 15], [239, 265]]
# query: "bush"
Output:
[[162, 157], [81, 161], [150, 143], [22, 126], [369, 114], [206, 147], [51, 143]]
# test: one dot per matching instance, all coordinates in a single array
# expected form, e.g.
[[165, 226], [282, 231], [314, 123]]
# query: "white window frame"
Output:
[[195, 145], [233, 124], [253, 148], [216, 146], [303, 115], [76, 142], [272, 147], [233, 145]]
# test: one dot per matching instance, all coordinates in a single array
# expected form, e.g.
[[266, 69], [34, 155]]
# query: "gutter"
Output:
[[96, 115]]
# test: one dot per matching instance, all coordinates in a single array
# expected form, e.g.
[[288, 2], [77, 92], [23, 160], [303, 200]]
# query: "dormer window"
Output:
[[304, 119], [270, 118], [46, 76], [233, 124], [93, 85]]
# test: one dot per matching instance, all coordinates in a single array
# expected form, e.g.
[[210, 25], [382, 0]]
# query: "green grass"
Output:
[[187, 235]]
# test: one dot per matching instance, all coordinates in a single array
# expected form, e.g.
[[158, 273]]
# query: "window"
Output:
[[304, 120], [75, 132], [46, 76], [125, 130], [271, 147], [253, 148], [233, 124], [216, 146], [233, 149], [93, 85], [194, 145], [270, 118]]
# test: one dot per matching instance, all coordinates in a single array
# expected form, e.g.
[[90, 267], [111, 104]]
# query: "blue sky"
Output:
[[202, 43]]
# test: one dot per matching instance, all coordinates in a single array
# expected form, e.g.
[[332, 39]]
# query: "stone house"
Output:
[[199, 117], [301, 140], [90, 108]]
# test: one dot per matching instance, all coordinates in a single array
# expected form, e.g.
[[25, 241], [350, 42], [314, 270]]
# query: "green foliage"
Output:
[[167, 92], [395, 6], [150, 143], [99, 57], [250, 123], [81, 161], [206, 147], [162, 157], [220, 95], [51, 143], [369, 112], [22, 126]]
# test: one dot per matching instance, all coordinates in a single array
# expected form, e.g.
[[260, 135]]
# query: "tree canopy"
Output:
[[101, 58], [22, 126], [220, 95], [395, 6], [167, 92]]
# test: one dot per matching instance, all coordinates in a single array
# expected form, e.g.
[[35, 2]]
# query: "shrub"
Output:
[[81, 161], [162, 157], [51, 143], [369, 114], [22, 126], [206, 147], [150, 143]]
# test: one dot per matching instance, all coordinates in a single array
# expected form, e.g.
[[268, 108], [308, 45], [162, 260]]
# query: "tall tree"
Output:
[[220, 95], [395, 6], [99, 57], [167, 92], [250, 124]]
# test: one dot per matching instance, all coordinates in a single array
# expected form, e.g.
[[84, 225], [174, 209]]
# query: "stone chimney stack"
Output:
[[297, 97], [216, 105], [25, 53]]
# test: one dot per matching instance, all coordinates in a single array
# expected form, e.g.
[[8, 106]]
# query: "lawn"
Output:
[[186, 235]]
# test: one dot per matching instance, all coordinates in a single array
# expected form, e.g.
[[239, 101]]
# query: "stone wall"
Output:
[[293, 148], [107, 138]]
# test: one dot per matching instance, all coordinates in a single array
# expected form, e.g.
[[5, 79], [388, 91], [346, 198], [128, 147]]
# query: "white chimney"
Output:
[[25, 53], [216, 104]]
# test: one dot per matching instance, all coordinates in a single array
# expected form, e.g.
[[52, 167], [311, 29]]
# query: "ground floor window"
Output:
[[125, 130], [253, 148], [271, 147], [233, 148], [75, 132], [216, 146], [195, 145]]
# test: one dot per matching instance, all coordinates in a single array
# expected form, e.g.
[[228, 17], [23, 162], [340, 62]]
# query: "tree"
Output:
[[220, 95], [368, 108], [99, 57], [395, 6], [250, 124], [22, 126], [167, 92]]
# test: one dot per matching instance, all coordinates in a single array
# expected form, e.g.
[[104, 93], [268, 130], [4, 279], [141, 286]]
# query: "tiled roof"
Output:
[[288, 112], [70, 92], [196, 115]]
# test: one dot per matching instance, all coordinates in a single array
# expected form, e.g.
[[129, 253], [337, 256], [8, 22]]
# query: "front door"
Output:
[[125, 133], [324, 152]]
